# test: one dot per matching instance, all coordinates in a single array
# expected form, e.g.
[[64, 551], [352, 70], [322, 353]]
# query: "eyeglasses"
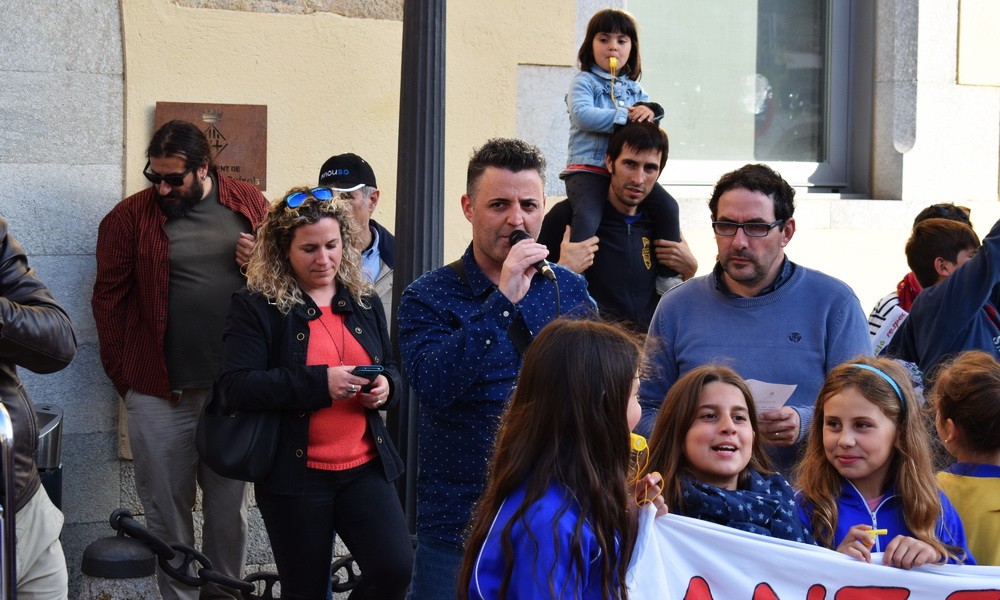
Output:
[[727, 229], [173, 180], [295, 199]]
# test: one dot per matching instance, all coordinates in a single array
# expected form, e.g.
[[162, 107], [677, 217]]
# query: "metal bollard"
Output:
[[118, 568], [8, 543]]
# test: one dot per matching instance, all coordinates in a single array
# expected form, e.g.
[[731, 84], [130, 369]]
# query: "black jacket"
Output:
[[292, 387], [623, 276], [37, 334]]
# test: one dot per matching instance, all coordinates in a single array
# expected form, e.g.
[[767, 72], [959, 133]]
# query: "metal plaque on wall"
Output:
[[237, 134]]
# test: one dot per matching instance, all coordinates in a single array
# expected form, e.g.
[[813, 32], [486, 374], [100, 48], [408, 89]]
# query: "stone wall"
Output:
[[61, 106]]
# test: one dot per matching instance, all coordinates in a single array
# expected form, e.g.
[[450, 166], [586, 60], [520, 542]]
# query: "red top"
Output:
[[338, 436]]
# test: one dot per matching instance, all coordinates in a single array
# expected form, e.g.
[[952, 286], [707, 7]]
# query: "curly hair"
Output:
[[757, 178], [268, 271]]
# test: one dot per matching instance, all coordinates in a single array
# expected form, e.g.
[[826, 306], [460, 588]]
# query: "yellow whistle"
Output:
[[877, 532], [613, 61], [637, 443]]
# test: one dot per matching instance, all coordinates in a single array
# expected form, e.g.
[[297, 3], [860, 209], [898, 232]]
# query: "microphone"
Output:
[[543, 265]]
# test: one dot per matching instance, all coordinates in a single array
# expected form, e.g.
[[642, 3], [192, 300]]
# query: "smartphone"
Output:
[[369, 372]]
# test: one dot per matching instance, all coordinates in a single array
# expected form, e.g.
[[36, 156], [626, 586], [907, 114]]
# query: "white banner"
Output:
[[679, 558]]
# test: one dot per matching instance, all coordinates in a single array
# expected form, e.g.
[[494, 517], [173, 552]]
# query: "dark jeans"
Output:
[[364, 509]]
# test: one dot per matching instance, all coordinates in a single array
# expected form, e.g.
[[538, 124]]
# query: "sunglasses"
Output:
[[946, 210], [173, 180], [295, 200]]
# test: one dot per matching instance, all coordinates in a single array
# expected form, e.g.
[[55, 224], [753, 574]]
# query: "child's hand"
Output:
[[640, 113], [648, 490], [907, 552], [858, 543]]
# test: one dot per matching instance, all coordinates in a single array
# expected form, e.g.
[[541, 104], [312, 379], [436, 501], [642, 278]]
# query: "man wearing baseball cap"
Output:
[[351, 174]]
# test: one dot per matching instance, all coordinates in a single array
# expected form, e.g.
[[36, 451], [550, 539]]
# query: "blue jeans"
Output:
[[435, 570]]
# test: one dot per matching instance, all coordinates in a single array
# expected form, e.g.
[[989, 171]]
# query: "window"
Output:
[[756, 81]]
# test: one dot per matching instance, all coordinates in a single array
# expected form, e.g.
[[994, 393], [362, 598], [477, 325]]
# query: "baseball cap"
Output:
[[346, 173]]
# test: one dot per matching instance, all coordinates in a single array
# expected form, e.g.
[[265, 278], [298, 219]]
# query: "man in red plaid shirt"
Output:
[[168, 260]]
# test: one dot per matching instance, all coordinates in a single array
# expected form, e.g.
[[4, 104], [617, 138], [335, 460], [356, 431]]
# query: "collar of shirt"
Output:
[[974, 470], [371, 260], [787, 268]]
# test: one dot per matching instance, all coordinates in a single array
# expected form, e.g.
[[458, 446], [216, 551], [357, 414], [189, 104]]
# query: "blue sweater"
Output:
[[461, 364], [542, 551], [793, 335], [853, 510], [950, 316]]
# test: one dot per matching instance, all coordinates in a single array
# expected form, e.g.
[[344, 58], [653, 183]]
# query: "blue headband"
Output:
[[890, 381]]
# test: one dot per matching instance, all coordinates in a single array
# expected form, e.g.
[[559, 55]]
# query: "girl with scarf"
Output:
[[707, 446]]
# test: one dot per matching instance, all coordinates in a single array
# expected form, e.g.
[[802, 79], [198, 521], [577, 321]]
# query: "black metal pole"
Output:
[[420, 192]]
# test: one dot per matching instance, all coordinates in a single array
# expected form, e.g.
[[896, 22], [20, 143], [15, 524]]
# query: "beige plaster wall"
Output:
[[978, 44], [486, 42], [330, 83]]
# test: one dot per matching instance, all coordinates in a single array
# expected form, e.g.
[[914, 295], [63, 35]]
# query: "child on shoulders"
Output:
[[603, 95]]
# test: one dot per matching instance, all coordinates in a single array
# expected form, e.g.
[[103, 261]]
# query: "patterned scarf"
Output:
[[766, 506]]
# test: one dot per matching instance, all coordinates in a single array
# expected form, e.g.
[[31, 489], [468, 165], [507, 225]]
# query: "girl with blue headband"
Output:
[[867, 481]]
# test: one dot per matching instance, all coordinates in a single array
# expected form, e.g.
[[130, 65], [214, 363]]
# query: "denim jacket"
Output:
[[593, 115]]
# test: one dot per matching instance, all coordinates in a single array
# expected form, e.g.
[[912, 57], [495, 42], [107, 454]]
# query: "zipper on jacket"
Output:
[[876, 546]]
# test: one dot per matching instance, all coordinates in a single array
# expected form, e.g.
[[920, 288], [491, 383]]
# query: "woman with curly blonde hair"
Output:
[[269, 272], [305, 321]]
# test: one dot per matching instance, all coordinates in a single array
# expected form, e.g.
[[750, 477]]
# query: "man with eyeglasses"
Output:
[[168, 260], [619, 263], [770, 319]]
